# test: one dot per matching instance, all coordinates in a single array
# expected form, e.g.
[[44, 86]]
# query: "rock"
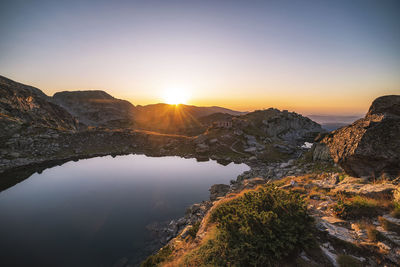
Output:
[[333, 220], [14, 154], [320, 152], [218, 190], [331, 256], [23, 104], [392, 236], [251, 149], [238, 132], [200, 148], [391, 219], [370, 146], [96, 108], [335, 231], [383, 246], [328, 182], [368, 190], [253, 158], [213, 141]]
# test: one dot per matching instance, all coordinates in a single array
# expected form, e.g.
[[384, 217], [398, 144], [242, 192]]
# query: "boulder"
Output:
[[368, 190], [218, 190], [370, 146]]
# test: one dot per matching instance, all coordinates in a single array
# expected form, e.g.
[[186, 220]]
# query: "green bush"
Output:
[[356, 207], [161, 256], [259, 228]]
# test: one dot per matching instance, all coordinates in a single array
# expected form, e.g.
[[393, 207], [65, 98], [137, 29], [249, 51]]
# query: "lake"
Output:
[[94, 212]]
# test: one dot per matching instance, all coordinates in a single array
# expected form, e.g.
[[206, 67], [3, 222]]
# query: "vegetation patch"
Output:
[[356, 207], [194, 229], [260, 228]]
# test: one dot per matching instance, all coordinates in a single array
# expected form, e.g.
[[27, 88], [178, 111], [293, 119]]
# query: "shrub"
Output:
[[194, 229], [356, 207], [161, 256], [257, 229]]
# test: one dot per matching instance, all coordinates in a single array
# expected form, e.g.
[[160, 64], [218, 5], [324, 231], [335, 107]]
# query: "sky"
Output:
[[312, 57]]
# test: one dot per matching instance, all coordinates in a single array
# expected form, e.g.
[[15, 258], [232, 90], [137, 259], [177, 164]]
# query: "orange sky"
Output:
[[318, 57]]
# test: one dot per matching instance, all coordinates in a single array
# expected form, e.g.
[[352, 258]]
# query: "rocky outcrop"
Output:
[[23, 106], [97, 108], [369, 146]]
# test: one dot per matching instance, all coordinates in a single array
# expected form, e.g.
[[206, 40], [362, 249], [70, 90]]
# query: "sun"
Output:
[[175, 96]]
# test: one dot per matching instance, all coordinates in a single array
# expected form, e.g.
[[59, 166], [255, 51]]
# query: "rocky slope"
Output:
[[370, 146], [97, 108], [265, 135], [23, 106], [356, 220]]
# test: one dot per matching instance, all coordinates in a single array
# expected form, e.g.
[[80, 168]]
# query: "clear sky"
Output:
[[307, 56]]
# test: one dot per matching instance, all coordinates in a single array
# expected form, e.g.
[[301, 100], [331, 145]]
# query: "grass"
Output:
[[357, 207]]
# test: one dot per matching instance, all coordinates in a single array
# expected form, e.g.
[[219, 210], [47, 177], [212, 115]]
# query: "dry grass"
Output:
[[358, 207]]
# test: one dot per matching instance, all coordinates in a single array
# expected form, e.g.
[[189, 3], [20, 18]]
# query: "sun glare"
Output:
[[175, 96]]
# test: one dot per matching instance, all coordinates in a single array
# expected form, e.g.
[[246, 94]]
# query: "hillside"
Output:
[[23, 106], [97, 108]]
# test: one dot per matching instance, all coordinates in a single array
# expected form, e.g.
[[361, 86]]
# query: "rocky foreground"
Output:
[[356, 220]]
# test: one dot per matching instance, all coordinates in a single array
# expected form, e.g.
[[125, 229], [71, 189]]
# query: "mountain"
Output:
[[97, 108], [333, 122], [23, 106], [180, 119]]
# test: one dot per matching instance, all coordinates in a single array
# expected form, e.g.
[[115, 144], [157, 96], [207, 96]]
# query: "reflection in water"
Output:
[[95, 211]]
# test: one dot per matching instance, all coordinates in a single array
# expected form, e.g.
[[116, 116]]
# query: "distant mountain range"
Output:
[[95, 108], [333, 122]]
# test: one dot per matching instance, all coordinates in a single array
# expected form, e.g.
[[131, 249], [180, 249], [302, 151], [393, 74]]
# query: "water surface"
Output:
[[95, 211]]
